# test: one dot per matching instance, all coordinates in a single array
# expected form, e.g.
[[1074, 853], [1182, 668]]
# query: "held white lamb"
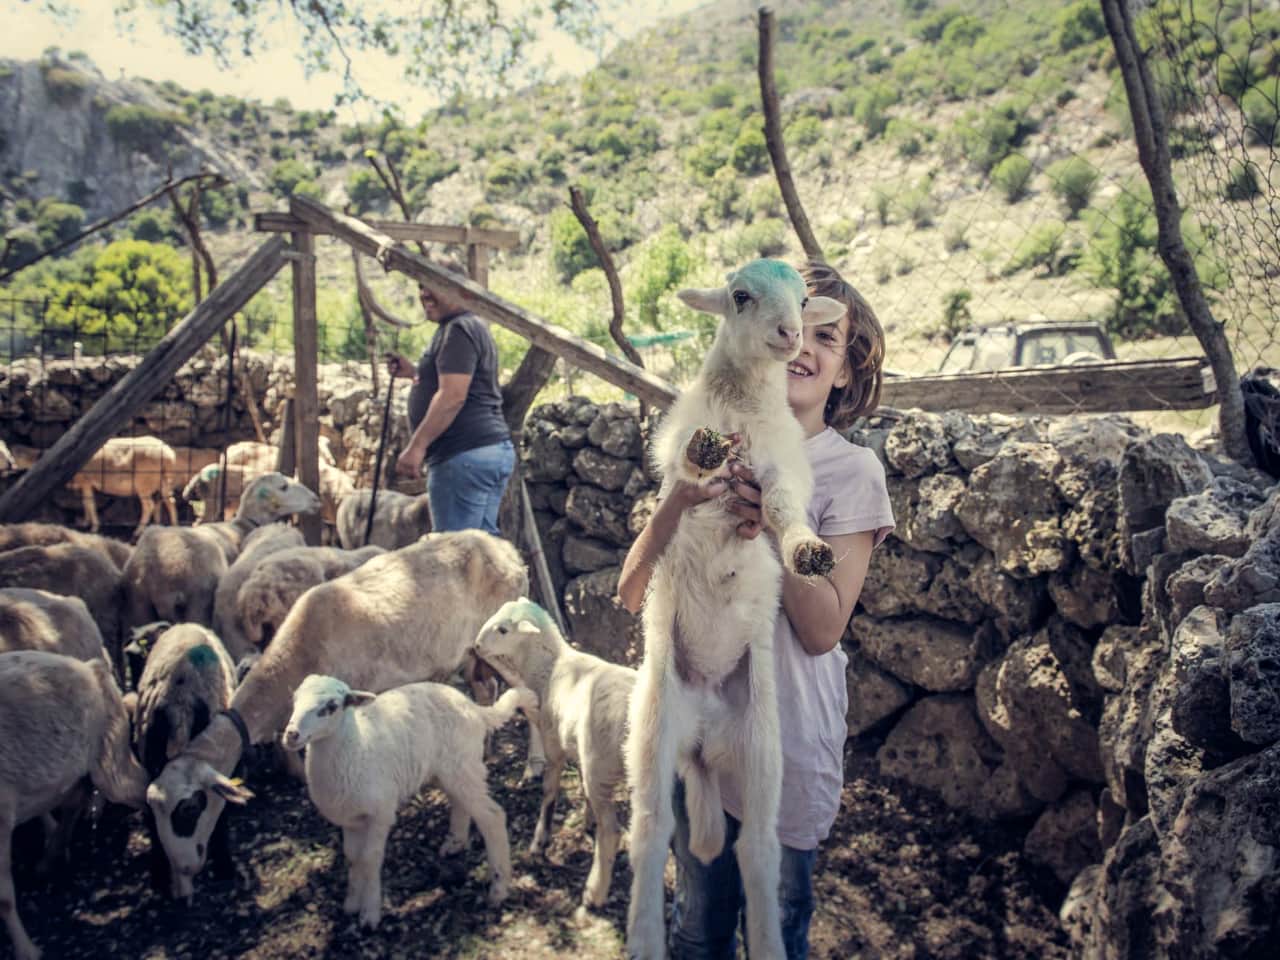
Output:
[[408, 615], [174, 571], [61, 720], [582, 715], [368, 754], [712, 601]]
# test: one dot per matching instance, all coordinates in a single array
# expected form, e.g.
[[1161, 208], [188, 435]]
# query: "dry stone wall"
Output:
[[1075, 626]]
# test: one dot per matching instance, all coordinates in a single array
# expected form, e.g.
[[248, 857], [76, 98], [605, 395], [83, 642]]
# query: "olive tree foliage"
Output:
[[447, 46]]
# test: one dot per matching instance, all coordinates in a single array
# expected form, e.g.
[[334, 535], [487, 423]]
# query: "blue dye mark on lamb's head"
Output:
[[202, 656], [770, 275]]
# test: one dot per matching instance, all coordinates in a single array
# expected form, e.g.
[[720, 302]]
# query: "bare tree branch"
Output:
[[104, 222], [777, 147], [1151, 134], [579, 205]]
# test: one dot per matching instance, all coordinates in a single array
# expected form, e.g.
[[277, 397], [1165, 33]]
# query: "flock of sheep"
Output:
[[147, 672]]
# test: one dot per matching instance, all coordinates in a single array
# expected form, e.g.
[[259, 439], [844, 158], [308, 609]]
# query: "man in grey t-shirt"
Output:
[[455, 411]]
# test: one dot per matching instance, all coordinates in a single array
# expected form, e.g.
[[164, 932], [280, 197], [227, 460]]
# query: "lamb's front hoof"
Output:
[[498, 891], [371, 916], [708, 449], [813, 559]]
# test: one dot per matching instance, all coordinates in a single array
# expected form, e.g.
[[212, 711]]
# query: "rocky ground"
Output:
[[901, 877]]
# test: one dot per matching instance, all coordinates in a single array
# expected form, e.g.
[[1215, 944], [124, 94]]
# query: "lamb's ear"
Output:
[[527, 626], [709, 300], [232, 791], [358, 698], [819, 310]]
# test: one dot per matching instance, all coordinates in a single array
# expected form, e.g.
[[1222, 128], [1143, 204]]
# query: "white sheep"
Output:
[[267, 540], [408, 615], [273, 586], [582, 716], [70, 569], [368, 754], [14, 536], [145, 467], [174, 571], [398, 521], [187, 679], [61, 720], [712, 600]]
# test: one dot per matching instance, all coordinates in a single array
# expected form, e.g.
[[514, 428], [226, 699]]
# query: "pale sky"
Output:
[[140, 48]]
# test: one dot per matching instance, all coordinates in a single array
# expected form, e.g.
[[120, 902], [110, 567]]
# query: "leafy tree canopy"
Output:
[[445, 45]]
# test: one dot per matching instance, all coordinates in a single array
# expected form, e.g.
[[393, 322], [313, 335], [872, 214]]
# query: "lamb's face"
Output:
[[273, 496], [187, 799], [765, 306], [503, 635], [317, 710]]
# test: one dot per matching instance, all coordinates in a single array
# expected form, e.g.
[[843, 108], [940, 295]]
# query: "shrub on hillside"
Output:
[[1122, 257], [872, 104], [917, 205], [658, 267], [154, 226], [804, 132], [1242, 183], [1074, 180], [424, 169], [1039, 248], [1012, 176], [750, 154], [57, 221], [365, 190], [1080, 24], [287, 174], [64, 86], [571, 251], [1261, 106], [955, 312], [138, 127], [505, 176]]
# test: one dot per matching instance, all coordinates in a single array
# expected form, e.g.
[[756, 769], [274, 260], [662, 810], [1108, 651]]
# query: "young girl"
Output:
[[836, 378]]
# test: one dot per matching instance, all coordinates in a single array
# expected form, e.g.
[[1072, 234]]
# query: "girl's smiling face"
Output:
[[821, 365]]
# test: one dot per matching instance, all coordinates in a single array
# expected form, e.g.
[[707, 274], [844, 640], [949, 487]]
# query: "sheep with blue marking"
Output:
[[582, 716]]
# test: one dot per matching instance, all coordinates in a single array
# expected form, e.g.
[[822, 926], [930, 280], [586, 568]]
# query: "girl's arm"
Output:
[[819, 609], [657, 533]]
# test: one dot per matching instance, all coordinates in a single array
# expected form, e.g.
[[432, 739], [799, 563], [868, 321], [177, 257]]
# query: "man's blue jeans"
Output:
[[709, 900], [465, 490]]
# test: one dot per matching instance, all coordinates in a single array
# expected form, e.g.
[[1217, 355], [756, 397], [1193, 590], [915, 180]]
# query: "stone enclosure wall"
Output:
[[1075, 627]]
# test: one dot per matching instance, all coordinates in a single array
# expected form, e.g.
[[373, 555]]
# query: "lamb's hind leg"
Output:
[[651, 761], [470, 792], [23, 948], [759, 856], [608, 836]]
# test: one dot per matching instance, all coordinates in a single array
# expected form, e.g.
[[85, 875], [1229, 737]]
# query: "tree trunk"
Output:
[[1151, 133]]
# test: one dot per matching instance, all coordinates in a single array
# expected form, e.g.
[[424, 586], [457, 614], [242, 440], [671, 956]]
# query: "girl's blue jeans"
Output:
[[465, 490], [710, 904]]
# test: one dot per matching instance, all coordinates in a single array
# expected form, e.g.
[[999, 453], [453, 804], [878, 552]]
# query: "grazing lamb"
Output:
[[712, 601], [187, 679], [60, 720], [368, 754], [14, 536], [72, 570], [206, 486], [405, 616], [258, 545], [398, 521], [129, 466], [173, 573], [582, 715], [272, 588]]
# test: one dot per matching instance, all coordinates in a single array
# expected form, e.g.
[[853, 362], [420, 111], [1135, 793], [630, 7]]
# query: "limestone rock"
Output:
[[585, 555], [918, 445], [873, 694], [1012, 508], [1155, 471], [599, 513], [1084, 596], [896, 579], [544, 456], [977, 439], [933, 654], [600, 624], [1214, 520], [1253, 669], [605, 471], [1200, 707], [1250, 580], [1065, 837], [1041, 704], [1185, 586], [939, 745]]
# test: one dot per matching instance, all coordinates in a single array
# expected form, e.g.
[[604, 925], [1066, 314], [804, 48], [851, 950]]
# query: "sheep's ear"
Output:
[[358, 698], [527, 626], [711, 300], [818, 310], [232, 791]]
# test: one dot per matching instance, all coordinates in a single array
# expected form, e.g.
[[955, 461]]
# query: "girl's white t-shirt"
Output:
[[849, 496]]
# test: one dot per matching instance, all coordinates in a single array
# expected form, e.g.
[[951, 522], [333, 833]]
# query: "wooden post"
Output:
[[118, 406], [478, 263], [287, 457], [306, 403], [546, 586]]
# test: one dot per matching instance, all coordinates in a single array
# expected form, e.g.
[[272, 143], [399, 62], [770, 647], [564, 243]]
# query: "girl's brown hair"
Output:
[[864, 351]]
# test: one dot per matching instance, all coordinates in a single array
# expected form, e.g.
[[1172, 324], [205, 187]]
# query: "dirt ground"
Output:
[[901, 877]]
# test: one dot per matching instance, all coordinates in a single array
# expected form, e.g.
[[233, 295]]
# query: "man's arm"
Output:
[[445, 403]]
